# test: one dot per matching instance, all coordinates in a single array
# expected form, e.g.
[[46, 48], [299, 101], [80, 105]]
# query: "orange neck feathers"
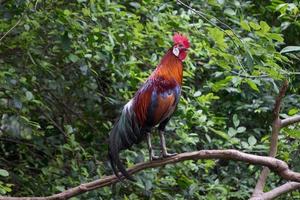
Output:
[[170, 68]]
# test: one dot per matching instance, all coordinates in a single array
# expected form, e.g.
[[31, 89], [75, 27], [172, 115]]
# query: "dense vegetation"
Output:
[[68, 67]]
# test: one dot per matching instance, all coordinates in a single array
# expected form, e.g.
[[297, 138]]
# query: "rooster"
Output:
[[153, 104]]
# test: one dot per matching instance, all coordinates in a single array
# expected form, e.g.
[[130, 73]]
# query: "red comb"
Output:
[[181, 39]]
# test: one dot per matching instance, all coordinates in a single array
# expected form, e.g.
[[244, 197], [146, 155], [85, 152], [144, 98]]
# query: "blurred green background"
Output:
[[68, 67]]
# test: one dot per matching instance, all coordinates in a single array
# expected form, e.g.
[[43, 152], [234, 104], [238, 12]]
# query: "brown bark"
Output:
[[278, 166]]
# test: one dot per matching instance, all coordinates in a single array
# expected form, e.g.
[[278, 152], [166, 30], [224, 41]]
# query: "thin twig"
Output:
[[14, 26], [18, 141], [249, 76], [54, 123], [205, 17], [72, 111]]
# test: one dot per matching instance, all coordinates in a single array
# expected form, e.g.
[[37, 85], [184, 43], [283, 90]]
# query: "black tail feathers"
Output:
[[117, 166], [124, 134]]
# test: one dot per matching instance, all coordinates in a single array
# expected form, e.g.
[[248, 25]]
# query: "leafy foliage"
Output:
[[68, 67]]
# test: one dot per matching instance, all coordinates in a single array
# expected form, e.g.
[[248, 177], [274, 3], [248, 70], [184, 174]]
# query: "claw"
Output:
[[164, 151], [154, 157], [166, 154]]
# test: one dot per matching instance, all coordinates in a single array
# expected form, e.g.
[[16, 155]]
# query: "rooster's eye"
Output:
[[180, 45]]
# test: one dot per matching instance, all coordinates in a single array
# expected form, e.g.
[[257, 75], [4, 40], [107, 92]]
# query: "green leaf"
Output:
[[27, 27], [282, 7], [135, 5], [293, 133], [4, 173], [276, 36], [245, 25], [235, 140], [184, 182], [245, 145], [60, 188], [254, 25], [86, 12], [232, 132], [88, 55], [264, 27], [229, 11], [252, 140], [220, 133], [73, 58], [293, 111], [218, 37], [252, 85], [67, 12], [275, 87], [236, 121], [241, 129], [69, 129], [222, 83], [197, 94], [29, 95], [290, 49]]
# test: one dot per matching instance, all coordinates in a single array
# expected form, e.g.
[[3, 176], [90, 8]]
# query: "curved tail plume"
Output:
[[124, 134]]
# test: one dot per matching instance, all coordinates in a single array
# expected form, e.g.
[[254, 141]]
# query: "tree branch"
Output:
[[273, 140], [285, 188], [279, 98], [278, 166], [290, 120]]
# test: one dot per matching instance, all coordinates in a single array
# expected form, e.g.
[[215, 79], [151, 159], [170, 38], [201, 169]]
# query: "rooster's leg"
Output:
[[151, 152], [163, 145]]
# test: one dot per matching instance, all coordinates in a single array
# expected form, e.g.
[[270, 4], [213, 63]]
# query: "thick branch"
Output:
[[290, 120], [273, 140], [278, 166], [276, 126], [285, 188]]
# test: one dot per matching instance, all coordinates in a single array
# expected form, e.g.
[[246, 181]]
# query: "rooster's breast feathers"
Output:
[[156, 100]]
